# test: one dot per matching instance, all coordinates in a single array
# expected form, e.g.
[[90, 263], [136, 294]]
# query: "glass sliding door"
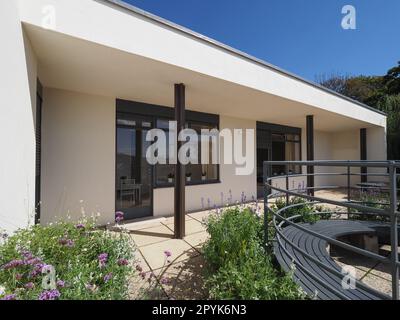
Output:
[[134, 187]]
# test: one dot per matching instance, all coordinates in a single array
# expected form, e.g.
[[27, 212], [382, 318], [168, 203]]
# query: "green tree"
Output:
[[380, 92], [392, 80]]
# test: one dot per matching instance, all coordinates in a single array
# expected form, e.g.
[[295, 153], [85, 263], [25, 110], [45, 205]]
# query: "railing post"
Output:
[[287, 185], [267, 191], [348, 191], [394, 234]]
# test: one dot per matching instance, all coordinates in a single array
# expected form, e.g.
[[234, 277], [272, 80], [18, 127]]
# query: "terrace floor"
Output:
[[184, 269]]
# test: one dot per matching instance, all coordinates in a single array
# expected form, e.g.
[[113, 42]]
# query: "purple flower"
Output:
[[49, 295], [164, 281], [123, 262], [167, 253], [70, 243], [108, 277], [103, 258], [143, 275], [80, 226], [33, 261], [27, 255], [60, 284], [119, 216], [29, 285], [10, 297], [13, 264], [46, 268], [67, 242], [37, 270], [18, 276]]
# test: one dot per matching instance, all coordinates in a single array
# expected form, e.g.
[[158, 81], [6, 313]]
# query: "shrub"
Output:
[[371, 199], [237, 265], [65, 261], [304, 210]]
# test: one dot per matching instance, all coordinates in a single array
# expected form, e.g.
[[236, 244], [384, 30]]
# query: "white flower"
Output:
[[2, 290]]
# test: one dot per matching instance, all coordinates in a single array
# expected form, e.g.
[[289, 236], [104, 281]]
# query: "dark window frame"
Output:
[[277, 129], [157, 112], [38, 151]]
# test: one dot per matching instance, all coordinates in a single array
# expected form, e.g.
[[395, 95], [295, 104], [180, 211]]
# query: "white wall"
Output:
[[78, 156], [79, 160], [216, 194], [17, 132], [376, 150]]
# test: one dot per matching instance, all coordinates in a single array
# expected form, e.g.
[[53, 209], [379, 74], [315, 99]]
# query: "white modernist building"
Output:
[[84, 80]]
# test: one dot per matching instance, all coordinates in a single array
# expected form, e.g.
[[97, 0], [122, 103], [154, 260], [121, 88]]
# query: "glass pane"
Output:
[[126, 164], [292, 137], [278, 137], [293, 154], [278, 154], [134, 173]]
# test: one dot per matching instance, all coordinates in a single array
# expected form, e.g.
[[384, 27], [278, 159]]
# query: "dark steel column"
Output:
[[363, 154], [179, 204], [310, 153]]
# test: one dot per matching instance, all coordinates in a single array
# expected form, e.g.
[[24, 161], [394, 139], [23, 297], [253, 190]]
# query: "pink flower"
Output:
[[18, 276], [167, 253], [29, 285]]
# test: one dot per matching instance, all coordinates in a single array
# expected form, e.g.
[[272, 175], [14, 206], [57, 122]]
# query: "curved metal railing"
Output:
[[385, 171]]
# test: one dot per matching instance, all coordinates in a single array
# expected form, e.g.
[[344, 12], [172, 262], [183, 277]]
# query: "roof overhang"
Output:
[[137, 57]]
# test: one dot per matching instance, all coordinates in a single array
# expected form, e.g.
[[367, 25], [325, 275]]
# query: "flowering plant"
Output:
[[75, 261]]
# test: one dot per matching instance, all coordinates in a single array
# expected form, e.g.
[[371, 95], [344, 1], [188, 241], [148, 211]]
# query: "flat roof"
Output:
[[231, 50]]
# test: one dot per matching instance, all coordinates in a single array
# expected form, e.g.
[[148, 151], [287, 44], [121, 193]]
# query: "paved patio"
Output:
[[184, 268]]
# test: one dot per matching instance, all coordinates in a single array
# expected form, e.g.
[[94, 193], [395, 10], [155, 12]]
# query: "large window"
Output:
[[277, 143], [195, 173], [285, 147], [164, 174], [200, 173]]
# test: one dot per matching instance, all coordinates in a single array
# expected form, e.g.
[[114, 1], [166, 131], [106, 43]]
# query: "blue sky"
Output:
[[301, 36]]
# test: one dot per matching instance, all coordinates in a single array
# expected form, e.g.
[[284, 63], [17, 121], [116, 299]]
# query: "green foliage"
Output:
[[73, 251], [373, 200], [392, 80], [380, 92], [304, 210], [391, 105], [237, 265]]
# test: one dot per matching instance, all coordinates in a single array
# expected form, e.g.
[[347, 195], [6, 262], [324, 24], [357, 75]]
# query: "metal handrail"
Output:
[[390, 209]]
